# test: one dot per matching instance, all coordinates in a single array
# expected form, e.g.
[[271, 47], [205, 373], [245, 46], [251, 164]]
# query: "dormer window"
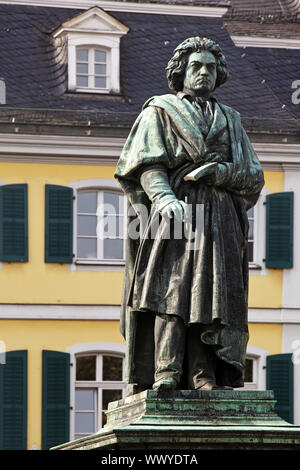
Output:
[[93, 39], [91, 68]]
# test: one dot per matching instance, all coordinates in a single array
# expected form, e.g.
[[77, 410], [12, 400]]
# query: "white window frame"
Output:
[[96, 184], [112, 48], [99, 349], [259, 357], [252, 385], [258, 266], [100, 246], [254, 238]]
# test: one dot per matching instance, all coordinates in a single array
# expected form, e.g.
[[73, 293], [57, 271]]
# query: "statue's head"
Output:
[[198, 66]]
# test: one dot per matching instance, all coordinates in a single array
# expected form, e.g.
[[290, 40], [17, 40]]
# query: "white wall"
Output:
[[291, 277], [291, 344]]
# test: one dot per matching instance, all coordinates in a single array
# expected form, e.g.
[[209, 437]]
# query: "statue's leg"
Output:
[[169, 336], [201, 361], [140, 351]]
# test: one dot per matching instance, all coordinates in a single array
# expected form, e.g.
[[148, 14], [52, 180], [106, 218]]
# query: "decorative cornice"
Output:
[[274, 315], [128, 7], [262, 41], [112, 312], [59, 312], [277, 153], [60, 149], [92, 22], [106, 150]]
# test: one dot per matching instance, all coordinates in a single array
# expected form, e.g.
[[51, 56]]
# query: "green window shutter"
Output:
[[280, 378], [13, 222], [13, 401], [55, 399], [279, 230], [59, 224]]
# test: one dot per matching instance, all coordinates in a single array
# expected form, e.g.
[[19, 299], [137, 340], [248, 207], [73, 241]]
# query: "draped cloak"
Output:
[[208, 285]]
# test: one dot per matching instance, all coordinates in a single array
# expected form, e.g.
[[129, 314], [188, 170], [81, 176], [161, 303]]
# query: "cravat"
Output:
[[205, 107]]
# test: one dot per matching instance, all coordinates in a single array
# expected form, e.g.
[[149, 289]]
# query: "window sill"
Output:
[[255, 266], [94, 265], [103, 91], [100, 263]]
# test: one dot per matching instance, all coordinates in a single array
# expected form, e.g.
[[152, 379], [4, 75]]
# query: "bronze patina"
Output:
[[184, 308]]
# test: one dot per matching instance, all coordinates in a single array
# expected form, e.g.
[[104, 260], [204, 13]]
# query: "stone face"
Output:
[[182, 420]]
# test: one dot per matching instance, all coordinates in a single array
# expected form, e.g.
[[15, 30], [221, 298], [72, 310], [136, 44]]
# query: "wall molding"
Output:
[[128, 7], [107, 150], [59, 312], [112, 312], [274, 315], [262, 41], [100, 347], [277, 153], [60, 149]]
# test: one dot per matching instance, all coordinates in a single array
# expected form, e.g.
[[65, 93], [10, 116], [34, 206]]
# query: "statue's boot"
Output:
[[168, 383]]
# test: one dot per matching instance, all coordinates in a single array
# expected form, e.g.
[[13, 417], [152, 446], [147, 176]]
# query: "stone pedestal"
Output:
[[192, 420]]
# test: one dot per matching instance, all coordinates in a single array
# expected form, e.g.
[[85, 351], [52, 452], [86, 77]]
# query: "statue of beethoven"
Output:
[[184, 311]]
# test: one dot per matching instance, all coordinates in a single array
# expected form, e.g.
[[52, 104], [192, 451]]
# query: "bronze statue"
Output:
[[184, 310]]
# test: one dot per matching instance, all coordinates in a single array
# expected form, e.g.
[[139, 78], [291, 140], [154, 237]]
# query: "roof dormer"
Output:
[[93, 43]]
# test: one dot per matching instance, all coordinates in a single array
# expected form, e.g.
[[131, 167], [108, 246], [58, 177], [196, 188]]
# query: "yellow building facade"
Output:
[[75, 81], [54, 306]]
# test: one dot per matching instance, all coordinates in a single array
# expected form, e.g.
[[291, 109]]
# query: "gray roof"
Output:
[[36, 81], [266, 7]]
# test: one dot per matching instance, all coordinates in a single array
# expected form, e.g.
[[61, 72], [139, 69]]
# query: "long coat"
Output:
[[208, 285]]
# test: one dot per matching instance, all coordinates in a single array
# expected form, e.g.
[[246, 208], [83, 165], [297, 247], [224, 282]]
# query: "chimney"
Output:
[[2, 91]]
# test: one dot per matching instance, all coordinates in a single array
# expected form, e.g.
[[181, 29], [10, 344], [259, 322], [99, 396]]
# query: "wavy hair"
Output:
[[177, 64]]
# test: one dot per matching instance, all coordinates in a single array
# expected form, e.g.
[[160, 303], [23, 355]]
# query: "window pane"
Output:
[[100, 56], [84, 400], [82, 55], [112, 368], [110, 395], [113, 249], [85, 422], [82, 81], [82, 68], [100, 82], [113, 226], [250, 251], [250, 212], [86, 368], [251, 229], [86, 225], [87, 247], [249, 370], [113, 203], [79, 436], [100, 69], [87, 202]]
